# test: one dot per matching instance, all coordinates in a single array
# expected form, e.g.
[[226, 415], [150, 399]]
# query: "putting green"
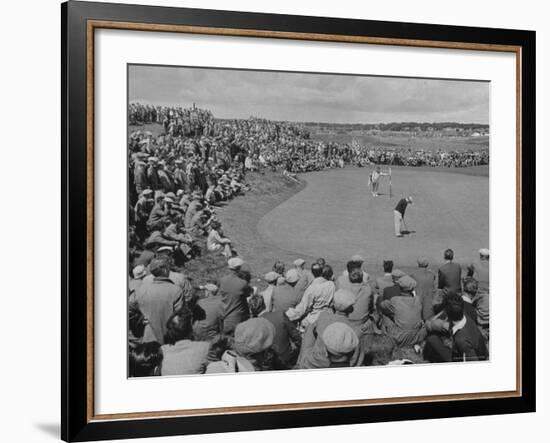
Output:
[[336, 216]]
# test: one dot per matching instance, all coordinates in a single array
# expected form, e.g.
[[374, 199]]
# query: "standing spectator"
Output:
[[158, 300], [208, 314], [450, 274], [234, 291], [425, 286], [386, 280]]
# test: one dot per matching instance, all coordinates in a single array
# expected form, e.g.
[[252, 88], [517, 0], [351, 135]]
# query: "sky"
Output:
[[311, 97]]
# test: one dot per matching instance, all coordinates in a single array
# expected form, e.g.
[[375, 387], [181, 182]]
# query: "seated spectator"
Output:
[[216, 242], [251, 349], [378, 349], [208, 314], [363, 304], [284, 295], [402, 315], [139, 272], [158, 300], [395, 289], [165, 254], [145, 360], [476, 302], [479, 270], [317, 297], [337, 347], [356, 262], [182, 355], [287, 340], [342, 307], [306, 277], [466, 341]]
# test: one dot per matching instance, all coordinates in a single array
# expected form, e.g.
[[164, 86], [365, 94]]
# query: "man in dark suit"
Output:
[[234, 291], [425, 285], [450, 274], [467, 342]]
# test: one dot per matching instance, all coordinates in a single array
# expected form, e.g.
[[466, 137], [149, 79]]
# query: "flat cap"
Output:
[[343, 299], [339, 338], [407, 283], [235, 262], [292, 276]]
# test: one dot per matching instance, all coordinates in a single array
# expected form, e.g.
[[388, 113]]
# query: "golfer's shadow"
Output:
[[408, 232]]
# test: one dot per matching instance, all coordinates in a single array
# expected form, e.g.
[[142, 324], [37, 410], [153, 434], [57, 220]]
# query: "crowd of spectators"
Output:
[[306, 317]]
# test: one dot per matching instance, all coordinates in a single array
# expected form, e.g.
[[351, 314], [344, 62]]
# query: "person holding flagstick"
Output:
[[374, 180]]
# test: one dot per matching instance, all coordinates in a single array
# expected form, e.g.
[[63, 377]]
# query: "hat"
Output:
[[165, 249], [343, 299], [254, 335], [397, 274], [159, 194], [357, 257], [169, 200], [139, 271], [235, 262], [484, 252], [406, 283], [422, 262], [210, 287], [292, 276], [299, 262], [339, 338], [271, 276], [409, 199], [171, 195], [147, 192]]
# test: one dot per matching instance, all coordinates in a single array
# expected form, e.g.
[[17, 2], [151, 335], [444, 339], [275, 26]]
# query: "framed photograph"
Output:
[[276, 221]]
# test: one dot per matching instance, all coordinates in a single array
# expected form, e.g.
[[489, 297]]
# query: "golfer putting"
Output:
[[399, 216]]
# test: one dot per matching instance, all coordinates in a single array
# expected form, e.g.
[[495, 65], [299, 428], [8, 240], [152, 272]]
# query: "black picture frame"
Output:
[[76, 424]]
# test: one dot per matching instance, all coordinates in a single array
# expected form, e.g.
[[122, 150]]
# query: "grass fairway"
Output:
[[335, 216]]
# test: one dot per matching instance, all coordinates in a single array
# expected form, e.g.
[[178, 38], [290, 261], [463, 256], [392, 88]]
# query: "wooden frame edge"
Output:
[[92, 24]]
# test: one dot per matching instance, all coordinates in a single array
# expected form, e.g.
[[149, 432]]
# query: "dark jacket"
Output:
[[425, 285], [234, 292], [450, 277], [285, 334], [469, 344]]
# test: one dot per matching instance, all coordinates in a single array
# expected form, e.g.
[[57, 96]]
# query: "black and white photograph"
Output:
[[297, 220]]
